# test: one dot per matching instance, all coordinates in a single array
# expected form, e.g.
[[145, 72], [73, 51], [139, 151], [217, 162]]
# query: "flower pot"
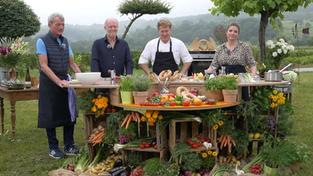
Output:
[[115, 98], [140, 97], [230, 95], [127, 97], [3, 73], [268, 171], [216, 94]]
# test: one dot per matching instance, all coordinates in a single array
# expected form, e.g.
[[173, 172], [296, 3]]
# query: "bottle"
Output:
[[27, 76]]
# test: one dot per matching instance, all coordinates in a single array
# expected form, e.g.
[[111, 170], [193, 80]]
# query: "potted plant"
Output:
[[213, 89], [276, 154], [140, 88], [126, 88], [229, 88]]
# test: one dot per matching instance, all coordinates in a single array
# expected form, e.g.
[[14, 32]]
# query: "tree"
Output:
[[17, 19], [138, 8], [268, 9]]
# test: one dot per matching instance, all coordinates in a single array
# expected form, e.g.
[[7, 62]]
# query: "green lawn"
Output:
[[28, 154]]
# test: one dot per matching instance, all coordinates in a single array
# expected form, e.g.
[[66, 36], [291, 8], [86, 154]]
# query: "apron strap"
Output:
[[159, 44]]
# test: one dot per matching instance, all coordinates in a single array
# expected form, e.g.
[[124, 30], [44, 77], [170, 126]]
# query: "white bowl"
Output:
[[88, 77]]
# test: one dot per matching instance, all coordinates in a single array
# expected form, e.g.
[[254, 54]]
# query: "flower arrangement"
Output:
[[278, 50], [100, 103], [11, 50], [90, 101], [277, 98], [151, 117]]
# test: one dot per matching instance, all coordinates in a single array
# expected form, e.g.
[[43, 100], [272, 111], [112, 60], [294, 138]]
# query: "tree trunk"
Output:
[[129, 25], [262, 30]]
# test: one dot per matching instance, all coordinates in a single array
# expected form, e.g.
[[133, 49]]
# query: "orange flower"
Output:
[[93, 109]]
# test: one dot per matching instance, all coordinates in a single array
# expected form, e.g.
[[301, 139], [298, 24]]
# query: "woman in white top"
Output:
[[165, 52]]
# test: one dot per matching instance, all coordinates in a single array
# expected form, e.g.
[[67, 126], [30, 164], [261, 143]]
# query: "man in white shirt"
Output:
[[165, 52]]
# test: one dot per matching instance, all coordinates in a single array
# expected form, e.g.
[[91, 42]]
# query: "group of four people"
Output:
[[113, 53]]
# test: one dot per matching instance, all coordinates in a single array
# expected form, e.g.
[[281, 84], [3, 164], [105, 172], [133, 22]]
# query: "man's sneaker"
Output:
[[71, 151], [56, 153]]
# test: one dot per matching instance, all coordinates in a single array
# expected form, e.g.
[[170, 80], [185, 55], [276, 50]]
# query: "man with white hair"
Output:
[[111, 52], [55, 110]]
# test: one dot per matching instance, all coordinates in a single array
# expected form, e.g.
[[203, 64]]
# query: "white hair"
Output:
[[54, 15], [110, 19]]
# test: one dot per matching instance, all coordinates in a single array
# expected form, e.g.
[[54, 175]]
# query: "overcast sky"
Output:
[[96, 11]]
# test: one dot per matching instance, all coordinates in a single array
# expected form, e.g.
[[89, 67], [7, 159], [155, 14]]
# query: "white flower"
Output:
[[274, 54], [279, 51], [282, 40], [285, 51], [269, 43], [291, 48]]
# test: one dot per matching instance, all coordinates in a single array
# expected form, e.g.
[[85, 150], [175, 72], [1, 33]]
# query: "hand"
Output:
[[63, 83]]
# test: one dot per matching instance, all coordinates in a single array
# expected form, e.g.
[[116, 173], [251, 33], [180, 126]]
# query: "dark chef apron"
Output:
[[235, 69], [164, 60], [53, 103]]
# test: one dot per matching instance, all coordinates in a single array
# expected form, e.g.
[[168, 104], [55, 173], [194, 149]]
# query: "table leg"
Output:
[[13, 118], [1, 115]]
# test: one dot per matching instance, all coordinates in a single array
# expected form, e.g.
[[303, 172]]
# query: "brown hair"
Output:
[[164, 23], [234, 24]]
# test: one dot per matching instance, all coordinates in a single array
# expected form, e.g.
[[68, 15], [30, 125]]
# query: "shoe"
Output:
[[71, 151], [56, 153]]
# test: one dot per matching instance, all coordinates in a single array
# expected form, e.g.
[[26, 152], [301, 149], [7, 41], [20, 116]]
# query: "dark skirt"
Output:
[[53, 109]]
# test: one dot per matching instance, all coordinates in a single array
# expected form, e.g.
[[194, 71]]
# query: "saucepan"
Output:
[[275, 75]]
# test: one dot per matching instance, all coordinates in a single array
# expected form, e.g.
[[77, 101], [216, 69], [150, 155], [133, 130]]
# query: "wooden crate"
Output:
[[161, 141], [91, 122], [185, 132]]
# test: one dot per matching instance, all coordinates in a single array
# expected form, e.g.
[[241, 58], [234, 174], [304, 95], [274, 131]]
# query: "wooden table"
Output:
[[13, 96]]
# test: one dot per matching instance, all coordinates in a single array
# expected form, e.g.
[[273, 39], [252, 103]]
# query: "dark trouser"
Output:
[[68, 133]]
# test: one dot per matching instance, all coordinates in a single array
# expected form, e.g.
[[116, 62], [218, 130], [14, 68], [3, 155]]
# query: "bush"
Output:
[[17, 19]]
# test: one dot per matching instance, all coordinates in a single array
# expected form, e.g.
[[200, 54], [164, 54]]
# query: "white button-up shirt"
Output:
[[179, 50]]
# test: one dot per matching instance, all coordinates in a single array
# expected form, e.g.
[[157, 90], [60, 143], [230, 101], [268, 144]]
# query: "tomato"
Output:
[[189, 142], [186, 103], [173, 103], [113, 110], [142, 146], [155, 146], [194, 145], [147, 145]]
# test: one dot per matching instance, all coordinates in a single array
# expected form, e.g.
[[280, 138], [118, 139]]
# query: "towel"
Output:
[[72, 99]]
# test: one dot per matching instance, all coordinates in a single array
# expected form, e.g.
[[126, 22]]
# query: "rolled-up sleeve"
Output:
[[145, 56], [129, 61], [249, 59], [184, 54], [214, 65], [95, 62]]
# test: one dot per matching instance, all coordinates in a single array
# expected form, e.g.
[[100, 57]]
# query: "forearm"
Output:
[[75, 67], [51, 75], [185, 68], [145, 68]]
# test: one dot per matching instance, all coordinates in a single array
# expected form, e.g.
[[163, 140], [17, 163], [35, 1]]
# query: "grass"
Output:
[[27, 155]]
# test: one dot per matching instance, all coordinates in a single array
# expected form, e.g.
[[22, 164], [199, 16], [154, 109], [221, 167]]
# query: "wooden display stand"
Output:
[[91, 122], [161, 141]]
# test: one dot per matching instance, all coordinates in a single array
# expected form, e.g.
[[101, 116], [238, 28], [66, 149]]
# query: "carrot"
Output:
[[137, 117], [125, 120], [128, 122]]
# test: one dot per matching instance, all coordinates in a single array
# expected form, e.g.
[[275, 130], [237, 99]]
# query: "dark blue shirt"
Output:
[[105, 58]]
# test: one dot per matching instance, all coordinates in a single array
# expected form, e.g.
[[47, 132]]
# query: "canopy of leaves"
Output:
[[275, 7], [144, 7], [17, 19]]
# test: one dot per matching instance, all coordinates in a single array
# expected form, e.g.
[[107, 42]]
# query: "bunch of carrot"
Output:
[[132, 116], [96, 136], [226, 141]]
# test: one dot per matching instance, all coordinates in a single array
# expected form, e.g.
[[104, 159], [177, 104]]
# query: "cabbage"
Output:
[[290, 76]]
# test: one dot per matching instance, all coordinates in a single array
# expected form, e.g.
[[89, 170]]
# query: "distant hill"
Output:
[[185, 28]]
